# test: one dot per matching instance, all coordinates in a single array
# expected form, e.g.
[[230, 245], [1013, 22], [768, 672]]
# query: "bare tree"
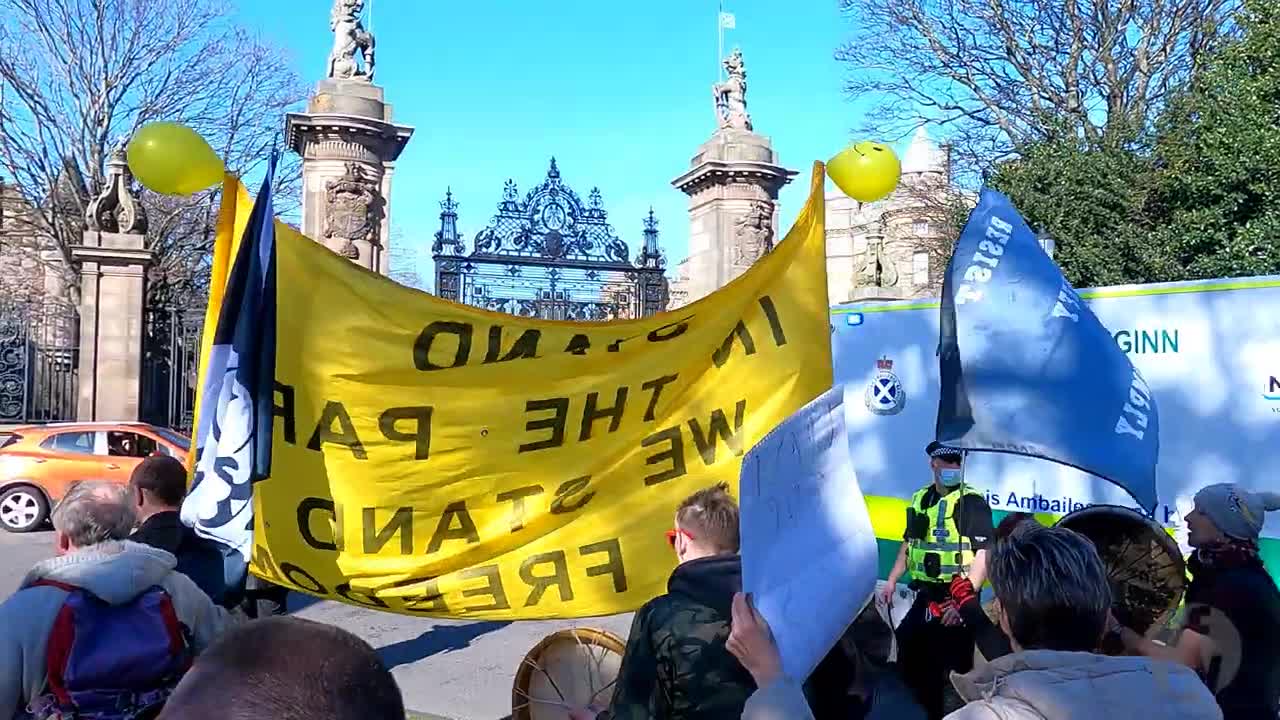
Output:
[[404, 261], [1002, 73], [79, 76], [927, 212]]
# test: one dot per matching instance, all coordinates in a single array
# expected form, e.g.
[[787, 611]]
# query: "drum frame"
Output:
[[585, 637], [1161, 537]]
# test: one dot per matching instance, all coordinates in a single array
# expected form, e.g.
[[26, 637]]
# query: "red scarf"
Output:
[[1225, 555]]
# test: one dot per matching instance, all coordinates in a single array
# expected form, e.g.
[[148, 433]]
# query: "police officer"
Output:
[[948, 530]]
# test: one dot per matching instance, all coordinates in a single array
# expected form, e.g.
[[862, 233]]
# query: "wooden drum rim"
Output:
[[524, 674]]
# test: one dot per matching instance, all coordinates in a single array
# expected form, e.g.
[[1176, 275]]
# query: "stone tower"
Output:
[[732, 184], [349, 147]]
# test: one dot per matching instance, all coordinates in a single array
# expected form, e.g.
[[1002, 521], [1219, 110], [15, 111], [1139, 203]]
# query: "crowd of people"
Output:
[[132, 620], [1035, 656]]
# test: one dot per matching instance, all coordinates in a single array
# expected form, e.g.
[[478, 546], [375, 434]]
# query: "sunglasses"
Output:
[[671, 536]]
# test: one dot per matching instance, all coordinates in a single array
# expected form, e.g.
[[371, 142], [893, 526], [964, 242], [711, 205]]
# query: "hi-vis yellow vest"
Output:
[[942, 538]]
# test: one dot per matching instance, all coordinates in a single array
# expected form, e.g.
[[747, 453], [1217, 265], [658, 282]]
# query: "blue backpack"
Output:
[[111, 662]]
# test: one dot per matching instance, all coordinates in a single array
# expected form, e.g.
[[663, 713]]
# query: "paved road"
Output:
[[456, 669]]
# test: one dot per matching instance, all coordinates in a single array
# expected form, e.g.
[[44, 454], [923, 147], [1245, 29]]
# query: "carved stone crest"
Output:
[[351, 209], [753, 234], [879, 271]]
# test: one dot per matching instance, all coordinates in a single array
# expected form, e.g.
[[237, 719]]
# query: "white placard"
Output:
[[808, 550]]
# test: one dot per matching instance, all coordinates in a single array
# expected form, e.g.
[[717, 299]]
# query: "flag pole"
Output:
[[720, 42]]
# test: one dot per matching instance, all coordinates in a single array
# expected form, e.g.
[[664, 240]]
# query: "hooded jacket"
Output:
[[1053, 685], [676, 666], [116, 572]]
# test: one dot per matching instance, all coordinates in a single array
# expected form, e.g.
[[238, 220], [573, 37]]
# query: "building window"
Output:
[[920, 228], [920, 268]]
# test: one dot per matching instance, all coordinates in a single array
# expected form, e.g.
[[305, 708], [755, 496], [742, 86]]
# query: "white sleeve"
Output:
[[783, 699], [980, 710]]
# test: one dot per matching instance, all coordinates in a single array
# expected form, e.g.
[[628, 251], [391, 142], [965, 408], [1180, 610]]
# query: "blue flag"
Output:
[[1027, 368], [233, 440]]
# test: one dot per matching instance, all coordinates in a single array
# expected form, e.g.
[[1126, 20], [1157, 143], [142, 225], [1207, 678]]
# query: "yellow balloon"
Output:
[[865, 172], [173, 159]]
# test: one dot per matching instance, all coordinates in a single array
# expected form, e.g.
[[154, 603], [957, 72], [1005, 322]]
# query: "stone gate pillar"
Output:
[[349, 147], [113, 261], [732, 184]]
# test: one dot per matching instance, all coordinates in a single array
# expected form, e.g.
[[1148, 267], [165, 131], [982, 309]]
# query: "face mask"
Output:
[[950, 477]]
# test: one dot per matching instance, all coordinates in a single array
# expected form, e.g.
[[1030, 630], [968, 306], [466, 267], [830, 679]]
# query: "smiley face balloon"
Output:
[[865, 172]]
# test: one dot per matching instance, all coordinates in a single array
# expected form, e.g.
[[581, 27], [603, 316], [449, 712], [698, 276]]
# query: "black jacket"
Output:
[[676, 666], [199, 559]]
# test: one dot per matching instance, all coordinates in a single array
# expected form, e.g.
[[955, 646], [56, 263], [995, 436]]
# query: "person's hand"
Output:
[[586, 713], [951, 614], [887, 592], [751, 641], [1113, 625], [962, 590]]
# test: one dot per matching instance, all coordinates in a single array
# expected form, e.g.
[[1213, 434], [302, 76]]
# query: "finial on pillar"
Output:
[[651, 255], [448, 241], [651, 232], [510, 197], [117, 209], [554, 172]]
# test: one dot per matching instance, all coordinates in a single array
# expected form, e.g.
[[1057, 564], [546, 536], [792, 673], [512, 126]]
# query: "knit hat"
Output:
[[1235, 511]]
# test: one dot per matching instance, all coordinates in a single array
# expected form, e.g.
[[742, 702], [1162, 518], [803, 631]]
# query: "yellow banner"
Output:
[[436, 459]]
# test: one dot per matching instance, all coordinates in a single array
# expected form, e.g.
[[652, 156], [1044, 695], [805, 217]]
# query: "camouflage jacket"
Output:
[[676, 666]]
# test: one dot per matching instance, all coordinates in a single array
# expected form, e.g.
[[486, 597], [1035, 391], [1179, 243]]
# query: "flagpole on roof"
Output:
[[720, 41]]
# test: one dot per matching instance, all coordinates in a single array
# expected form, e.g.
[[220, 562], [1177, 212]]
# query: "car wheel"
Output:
[[23, 509]]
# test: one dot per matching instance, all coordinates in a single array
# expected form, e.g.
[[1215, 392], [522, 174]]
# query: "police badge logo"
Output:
[[885, 395]]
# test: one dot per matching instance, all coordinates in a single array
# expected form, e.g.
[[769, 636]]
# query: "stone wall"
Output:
[[31, 268]]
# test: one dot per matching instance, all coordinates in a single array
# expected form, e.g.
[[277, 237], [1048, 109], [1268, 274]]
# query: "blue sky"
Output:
[[619, 93]]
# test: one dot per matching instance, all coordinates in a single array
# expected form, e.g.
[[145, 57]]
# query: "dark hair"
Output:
[[711, 517], [165, 478], [286, 668], [1053, 588], [1012, 522]]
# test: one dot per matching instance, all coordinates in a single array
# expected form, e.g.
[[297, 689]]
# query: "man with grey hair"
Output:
[[103, 613]]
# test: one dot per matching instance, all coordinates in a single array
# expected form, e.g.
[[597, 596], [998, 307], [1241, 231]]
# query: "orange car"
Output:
[[39, 462]]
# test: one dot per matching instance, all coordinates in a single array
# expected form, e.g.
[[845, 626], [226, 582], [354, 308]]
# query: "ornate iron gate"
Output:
[[551, 256], [39, 356], [170, 363]]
